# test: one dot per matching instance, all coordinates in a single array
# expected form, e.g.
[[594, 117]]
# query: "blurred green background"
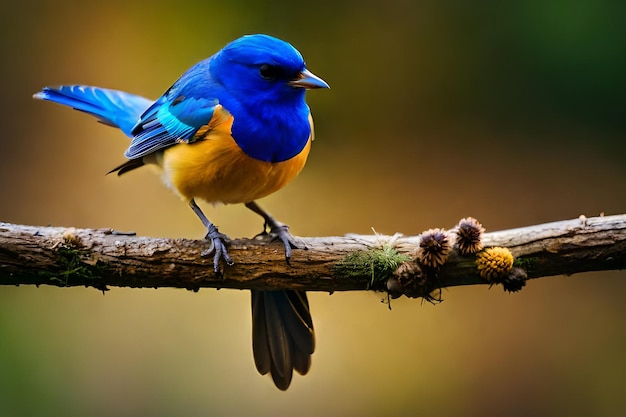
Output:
[[511, 112]]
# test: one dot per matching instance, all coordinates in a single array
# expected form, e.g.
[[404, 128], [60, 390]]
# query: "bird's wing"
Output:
[[175, 118]]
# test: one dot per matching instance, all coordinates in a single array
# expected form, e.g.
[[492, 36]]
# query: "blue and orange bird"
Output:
[[232, 129]]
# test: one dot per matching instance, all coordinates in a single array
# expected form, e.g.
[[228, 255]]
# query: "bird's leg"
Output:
[[277, 229], [217, 240]]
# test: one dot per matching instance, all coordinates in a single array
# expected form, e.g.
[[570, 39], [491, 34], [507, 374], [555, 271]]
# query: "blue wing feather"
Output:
[[111, 107], [171, 119]]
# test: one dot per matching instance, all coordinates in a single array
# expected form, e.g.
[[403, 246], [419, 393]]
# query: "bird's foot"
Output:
[[218, 245], [279, 231]]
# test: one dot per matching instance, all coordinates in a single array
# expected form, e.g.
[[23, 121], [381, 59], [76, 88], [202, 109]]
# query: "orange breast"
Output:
[[215, 169]]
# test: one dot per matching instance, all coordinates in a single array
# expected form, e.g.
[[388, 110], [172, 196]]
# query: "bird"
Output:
[[232, 129]]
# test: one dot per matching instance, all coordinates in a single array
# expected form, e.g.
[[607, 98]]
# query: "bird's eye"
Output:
[[268, 72]]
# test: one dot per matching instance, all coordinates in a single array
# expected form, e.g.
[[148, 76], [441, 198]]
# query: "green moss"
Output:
[[374, 266], [528, 264], [76, 265]]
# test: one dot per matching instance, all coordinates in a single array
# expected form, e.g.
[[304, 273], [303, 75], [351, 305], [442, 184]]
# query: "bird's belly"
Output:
[[217, 170]]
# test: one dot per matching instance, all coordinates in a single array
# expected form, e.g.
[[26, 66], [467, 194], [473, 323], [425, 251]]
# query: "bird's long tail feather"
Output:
[[282, 334], [111, 107]]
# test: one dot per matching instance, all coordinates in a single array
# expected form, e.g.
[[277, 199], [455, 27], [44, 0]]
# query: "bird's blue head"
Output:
[[262, 68], [266, 79]]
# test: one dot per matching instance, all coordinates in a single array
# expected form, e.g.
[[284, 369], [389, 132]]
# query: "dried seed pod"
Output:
[[515, 280], [435, 246], [469, 233], [394, 287]]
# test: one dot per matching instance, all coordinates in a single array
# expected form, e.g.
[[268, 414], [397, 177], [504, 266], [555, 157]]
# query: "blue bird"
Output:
[[232, 129]]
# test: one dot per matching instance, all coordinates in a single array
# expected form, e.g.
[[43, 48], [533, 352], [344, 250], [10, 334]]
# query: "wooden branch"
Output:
[[101, 258]]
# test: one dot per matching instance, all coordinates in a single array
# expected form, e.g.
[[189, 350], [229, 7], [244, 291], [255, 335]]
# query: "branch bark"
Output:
[[101, 257]]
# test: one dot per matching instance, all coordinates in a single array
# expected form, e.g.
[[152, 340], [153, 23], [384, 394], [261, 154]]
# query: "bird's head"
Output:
[[264, 69]]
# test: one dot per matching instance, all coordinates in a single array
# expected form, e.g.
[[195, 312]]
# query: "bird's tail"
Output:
[[282, 334], [111, 107]]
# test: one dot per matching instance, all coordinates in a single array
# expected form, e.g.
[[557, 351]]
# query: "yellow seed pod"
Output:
[[494, 263]]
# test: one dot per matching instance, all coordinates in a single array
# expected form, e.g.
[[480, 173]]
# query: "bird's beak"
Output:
[[307, 80]]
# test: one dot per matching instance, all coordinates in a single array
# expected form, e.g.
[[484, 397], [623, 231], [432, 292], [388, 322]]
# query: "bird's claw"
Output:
[[218, 245], [262, 235], [281, 231]]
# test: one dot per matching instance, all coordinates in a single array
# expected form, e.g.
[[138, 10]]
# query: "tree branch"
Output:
[[100, 258]]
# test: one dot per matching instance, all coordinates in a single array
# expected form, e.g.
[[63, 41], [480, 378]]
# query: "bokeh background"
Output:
[[512, 112]]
